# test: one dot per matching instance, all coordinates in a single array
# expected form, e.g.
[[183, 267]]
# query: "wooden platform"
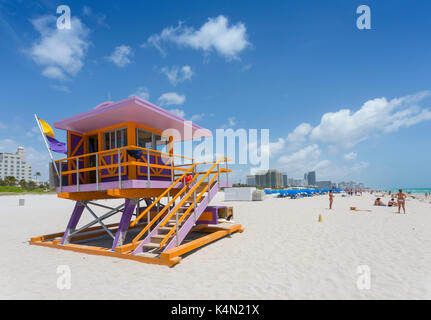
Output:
[[168, 258]]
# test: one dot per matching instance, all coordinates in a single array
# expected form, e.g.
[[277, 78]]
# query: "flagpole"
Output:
[[46, 144]]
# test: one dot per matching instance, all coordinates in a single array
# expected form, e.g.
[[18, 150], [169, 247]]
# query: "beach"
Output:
[[283, 253]]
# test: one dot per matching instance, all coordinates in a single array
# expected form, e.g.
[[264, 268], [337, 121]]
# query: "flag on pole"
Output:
[[54, 144], [47, 130]]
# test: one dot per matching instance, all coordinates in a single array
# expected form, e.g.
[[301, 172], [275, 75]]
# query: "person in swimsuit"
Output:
[[392, 203], [401, 197], [378, 202], [331, 198]]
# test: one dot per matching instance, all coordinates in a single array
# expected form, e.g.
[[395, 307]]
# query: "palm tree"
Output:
[[23, 184], [37, 175], [10, 181]]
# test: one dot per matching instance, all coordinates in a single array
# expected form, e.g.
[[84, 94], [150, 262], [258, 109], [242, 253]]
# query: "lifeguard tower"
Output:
[[115, 152]]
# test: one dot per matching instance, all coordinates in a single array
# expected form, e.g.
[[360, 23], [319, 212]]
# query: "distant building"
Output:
[[310, 177], [251, 180], [268, 179], [351, 185], [295, 182], [285, 184], [15, 165], [324, 184]]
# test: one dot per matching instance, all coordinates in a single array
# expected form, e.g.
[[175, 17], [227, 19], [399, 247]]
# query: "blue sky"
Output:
[[352, 104]]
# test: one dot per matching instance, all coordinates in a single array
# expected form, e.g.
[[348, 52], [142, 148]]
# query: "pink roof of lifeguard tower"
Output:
[[132, 109]]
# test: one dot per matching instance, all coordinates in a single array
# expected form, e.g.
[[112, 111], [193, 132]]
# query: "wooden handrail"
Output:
[[140, 234], [190, 192], [168, 235], [161, 153], [221, 171], [123, 164], [134, 222]]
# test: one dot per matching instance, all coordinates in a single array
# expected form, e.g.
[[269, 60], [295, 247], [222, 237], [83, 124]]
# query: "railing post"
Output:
[[97, 172], [209, 196], [194, 207], [119, 170], [60, 177], [227, 175], [172, 175], [148, 169], [172, 168], [176, 229], [148, 221], [77, 174]]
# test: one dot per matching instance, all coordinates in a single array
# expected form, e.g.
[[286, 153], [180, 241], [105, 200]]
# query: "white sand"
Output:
[[284, 253]]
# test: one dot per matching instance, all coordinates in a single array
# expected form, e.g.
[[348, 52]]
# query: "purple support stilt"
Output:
[[120, 236], [73, 221]]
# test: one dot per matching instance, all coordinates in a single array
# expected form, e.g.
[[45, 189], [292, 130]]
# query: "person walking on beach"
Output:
[[401, 200], [331, 198]]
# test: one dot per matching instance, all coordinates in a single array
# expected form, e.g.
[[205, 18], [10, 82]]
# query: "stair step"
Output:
[[170, 225], [157, 238], [164, 229], [149, 254], [151, 245]]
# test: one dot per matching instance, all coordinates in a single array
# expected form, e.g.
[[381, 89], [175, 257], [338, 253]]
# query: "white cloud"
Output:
[[266, 151], [141, 92], [347, 128], [86, 11], [32, 132], [98, 17], [246, 67], [121, 56], [171, 98], [177, 75], [216, 34], [321, 165], [178, 112], [277, 147], [361, 165], [60, 88], [197, 117], [350, 156], [231, 121], [299, 135], [302, 160], [181, 113], [309, 158], [60, 52], [53, 73]]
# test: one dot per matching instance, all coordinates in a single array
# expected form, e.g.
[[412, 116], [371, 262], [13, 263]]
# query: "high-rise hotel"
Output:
[[15, 165]]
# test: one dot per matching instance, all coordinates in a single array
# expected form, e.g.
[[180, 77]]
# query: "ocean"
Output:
[[412, 190]]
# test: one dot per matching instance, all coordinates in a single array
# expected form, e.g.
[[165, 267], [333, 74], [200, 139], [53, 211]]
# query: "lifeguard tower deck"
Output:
[[115, 152]]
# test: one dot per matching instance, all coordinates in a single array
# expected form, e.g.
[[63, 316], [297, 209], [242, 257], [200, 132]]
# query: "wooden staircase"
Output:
[[168, 226]]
